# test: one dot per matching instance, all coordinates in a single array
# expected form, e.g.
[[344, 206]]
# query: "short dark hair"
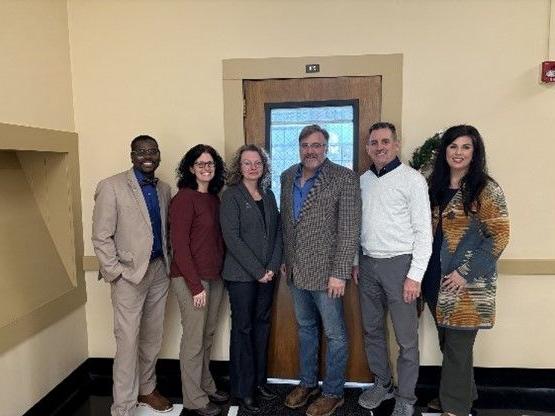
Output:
[[383, 125], [142, 138], [186, 179], [313, 128], [475, 179]]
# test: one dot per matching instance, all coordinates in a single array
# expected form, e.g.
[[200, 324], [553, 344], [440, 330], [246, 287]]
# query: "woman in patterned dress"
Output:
[[471, 229]]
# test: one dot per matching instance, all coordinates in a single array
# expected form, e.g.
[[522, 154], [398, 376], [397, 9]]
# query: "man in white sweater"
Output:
[[396, 244]]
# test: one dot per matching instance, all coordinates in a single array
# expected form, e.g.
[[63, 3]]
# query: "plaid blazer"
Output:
[[324, 240]]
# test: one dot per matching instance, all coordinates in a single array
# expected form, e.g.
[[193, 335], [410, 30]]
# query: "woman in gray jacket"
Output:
[[252, 233]]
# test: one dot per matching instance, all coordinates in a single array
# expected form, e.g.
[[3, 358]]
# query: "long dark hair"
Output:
[[475, 179], [186, 179]]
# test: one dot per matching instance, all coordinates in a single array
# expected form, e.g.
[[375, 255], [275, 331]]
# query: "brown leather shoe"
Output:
[[156, 402], [300, 395], [324, 406]]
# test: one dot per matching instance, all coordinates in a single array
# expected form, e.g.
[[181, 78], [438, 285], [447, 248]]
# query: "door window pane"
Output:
[[287, 123]]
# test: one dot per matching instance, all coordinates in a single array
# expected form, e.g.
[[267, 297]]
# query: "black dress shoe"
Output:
[[219, 397], [209, 410], [265, 393], [249, 404]]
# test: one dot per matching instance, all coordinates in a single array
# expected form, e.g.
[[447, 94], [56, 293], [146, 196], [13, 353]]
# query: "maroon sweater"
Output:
[[196, 237]]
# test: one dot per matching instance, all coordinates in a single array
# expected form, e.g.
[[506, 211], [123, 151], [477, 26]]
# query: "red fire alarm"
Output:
[[548, 71]]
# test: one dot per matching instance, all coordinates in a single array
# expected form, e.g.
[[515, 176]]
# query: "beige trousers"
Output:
[[199, 326], [138, 326]]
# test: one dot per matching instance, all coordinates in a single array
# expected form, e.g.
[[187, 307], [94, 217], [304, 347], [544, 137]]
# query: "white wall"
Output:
[[156, 67]]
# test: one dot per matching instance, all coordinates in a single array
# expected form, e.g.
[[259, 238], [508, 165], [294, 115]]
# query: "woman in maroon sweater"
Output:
[[198, 252]]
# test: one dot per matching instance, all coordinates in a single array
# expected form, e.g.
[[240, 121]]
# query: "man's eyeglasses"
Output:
[[145, 152], [202, 165], [249, 164], [315, 146]]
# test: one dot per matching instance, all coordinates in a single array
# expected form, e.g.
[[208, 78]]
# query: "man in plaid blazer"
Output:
[[320, 210]]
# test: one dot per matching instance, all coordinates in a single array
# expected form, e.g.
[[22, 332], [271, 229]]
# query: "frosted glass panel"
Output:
[[287, 123]]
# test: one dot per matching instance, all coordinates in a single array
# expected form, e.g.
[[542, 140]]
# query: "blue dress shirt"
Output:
[[152, 204], [301, 192]]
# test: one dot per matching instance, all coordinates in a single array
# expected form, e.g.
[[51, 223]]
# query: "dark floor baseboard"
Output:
[[501, 388], [73, 390]]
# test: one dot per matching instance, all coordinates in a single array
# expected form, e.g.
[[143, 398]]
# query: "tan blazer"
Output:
[[325, 239], [121, 233]]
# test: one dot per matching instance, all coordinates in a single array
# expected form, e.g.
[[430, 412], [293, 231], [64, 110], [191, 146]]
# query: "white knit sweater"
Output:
[[396, 217]]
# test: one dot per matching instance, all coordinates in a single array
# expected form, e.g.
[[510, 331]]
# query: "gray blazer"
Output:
[[324, 240], [251, 247], [121, 232]]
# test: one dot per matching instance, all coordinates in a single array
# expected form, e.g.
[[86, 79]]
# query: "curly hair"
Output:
[[475, 179], [186, 179], [235, 176]]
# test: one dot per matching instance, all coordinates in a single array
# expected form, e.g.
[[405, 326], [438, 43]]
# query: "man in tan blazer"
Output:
[[320, 212], [129, 239]]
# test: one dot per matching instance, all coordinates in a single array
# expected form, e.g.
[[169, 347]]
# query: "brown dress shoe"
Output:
[[300, 395], [324, 406], [156, 402]]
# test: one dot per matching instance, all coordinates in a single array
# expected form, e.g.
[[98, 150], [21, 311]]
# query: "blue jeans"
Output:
[[311, 307]]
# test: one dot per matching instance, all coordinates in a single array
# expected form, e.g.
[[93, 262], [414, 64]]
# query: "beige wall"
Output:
[[156, 67], [34, 367], [35, 76], [36, 90], [551, 52]]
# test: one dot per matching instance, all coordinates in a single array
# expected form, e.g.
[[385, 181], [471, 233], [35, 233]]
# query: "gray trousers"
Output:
[[138, 326], [199, 326], [457, 389], [381, 289]]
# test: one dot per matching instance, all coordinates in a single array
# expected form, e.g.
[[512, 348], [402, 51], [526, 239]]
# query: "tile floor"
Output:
[[98, 405]]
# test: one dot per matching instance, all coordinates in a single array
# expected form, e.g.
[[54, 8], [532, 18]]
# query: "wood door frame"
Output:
[[389, 67], [235, 71]]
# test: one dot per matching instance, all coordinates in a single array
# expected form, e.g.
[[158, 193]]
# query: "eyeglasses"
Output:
[[315, 146], [202, 165], [145, 152], [248, 164]]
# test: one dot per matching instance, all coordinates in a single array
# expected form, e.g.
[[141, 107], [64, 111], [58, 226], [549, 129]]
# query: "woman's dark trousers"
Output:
[[457, 389], [251, 313]]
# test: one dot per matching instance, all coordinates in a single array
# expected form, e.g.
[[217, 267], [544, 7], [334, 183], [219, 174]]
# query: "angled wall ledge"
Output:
[[41, 243]]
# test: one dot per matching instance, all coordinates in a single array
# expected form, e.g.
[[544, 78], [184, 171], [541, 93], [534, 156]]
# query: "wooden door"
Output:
[[283, 349]]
